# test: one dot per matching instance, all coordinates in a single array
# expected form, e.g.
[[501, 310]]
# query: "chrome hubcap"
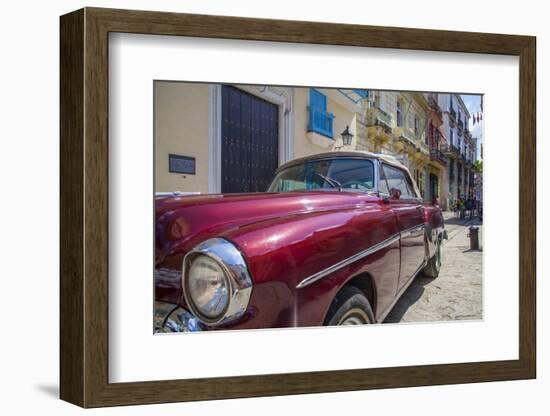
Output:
[[354, 317], [352, 320]]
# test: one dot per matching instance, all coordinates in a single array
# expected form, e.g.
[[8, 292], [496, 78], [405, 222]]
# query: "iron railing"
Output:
[[439, 156]]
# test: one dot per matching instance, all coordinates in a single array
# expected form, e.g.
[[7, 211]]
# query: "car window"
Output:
[[397, 180], [352, 174], [383, 183]]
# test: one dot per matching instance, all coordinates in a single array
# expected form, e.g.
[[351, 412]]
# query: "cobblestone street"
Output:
[[457, 293]]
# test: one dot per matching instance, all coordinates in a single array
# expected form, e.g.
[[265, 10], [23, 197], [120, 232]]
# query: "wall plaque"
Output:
[[181, 164]]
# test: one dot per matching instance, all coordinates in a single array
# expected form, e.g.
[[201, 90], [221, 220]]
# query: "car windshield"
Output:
[[357, 174]]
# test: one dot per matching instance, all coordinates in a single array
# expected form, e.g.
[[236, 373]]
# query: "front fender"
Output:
[[282, 253]]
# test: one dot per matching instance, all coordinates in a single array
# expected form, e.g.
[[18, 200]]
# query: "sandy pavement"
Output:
[[457, 293]]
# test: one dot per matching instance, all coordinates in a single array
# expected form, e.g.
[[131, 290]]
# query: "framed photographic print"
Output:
[[254, 207]]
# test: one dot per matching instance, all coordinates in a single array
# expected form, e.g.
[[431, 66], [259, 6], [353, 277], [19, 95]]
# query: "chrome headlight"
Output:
[[216, 282], [208, 287]]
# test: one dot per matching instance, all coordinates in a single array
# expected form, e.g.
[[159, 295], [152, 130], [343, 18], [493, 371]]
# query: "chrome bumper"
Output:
[[173, 318]]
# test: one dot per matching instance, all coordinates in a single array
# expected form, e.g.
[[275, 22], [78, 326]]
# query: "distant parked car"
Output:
[[335, 240]]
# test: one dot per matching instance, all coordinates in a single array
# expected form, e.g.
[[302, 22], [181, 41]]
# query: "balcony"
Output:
[[434, 105], [452, 113], [438, 156], [320, 122], [423, 147], [432, 102], [406, 134], [378, 117], [451, 150], [421, 153]]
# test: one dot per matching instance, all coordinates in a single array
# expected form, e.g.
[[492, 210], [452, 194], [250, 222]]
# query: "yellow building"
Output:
[[395, 123], [437, 177], [212, 138]]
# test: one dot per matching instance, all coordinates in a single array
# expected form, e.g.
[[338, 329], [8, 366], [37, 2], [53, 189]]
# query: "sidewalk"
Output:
[[449, 215], [457, 293]]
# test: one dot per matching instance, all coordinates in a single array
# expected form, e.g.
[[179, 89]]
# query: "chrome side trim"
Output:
[[233, 263], [362, 254], [410, 231]]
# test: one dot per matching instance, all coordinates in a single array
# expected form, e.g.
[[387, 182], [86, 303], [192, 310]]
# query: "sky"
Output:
[[473, 103]]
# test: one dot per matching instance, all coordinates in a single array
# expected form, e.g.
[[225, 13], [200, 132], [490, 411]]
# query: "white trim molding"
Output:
[[214, 138], [283, 97]]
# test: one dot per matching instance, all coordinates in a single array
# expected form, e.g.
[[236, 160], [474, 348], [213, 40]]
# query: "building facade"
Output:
[[408, 125], [437, 172], [212, 138], [461, 149], [231, 138]]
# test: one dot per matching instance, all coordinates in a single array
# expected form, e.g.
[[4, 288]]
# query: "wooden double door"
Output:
[[250, 141]]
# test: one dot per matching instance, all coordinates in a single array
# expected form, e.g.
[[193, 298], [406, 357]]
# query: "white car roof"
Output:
[[389, 159]]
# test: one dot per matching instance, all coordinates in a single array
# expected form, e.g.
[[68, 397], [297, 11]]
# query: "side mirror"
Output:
[[395, 193]]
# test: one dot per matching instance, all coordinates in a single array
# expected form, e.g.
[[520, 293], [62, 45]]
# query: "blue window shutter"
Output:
[[317, 100], [320, 121]]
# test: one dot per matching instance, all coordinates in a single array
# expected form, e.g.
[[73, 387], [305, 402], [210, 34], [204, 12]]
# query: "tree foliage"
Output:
[[478, 166]]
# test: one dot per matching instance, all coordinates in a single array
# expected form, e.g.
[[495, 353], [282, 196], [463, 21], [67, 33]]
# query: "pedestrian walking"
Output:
[[470, 207], [461, 207]]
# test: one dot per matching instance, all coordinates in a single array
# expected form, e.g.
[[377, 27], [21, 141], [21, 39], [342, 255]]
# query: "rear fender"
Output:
[[434, 230]]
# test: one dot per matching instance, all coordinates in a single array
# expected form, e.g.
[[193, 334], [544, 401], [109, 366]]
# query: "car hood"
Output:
[[184, 221]]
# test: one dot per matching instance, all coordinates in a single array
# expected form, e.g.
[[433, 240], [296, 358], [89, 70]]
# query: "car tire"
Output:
[[350, 307], [433, 267]]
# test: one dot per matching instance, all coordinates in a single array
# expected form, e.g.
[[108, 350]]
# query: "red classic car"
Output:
[[335, 240]]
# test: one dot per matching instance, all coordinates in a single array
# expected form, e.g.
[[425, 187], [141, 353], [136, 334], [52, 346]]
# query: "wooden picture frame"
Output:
[[84, 207]]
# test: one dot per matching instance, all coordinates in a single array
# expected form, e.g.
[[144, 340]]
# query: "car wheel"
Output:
[[350, 307], [434, 264]]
